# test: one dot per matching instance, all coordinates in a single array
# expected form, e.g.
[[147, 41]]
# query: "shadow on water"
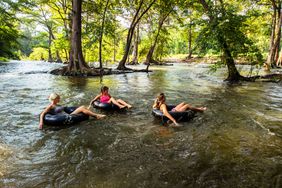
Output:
[[235, 143]]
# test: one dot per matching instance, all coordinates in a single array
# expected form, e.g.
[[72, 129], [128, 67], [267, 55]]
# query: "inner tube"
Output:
[[105, 106], [64, 118], [178, 116]]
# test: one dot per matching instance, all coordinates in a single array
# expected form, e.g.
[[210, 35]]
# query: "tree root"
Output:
[[154, 62], [275, 78], [124, 68], [133, 63]]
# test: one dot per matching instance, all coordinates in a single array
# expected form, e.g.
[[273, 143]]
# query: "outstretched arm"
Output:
[[96, 98], [43, 114], [165, 112]]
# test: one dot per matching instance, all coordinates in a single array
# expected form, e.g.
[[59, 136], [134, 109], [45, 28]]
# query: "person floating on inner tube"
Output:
[[161, 105], [105, 97], [55, 99]]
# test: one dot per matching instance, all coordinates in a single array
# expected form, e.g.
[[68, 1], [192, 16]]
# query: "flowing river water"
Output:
[[237, 142]]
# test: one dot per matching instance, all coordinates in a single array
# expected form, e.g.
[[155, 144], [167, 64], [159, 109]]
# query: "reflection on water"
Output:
[[236, 142]]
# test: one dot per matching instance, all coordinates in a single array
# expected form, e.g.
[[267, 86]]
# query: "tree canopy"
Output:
[[112, 30]]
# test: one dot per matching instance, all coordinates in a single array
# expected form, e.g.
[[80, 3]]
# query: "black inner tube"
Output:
[[178, 116], [64, 118], [105, 106]]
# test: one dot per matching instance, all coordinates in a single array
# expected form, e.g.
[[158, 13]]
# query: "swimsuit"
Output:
[[173, 110], [105, 99], [57, 110]]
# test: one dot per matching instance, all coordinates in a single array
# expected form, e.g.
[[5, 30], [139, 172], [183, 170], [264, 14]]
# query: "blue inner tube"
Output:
[[64, 118], [105, 106], [178, 116]]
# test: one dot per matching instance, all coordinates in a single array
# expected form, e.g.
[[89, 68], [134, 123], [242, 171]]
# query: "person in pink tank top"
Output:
[[105, 97]]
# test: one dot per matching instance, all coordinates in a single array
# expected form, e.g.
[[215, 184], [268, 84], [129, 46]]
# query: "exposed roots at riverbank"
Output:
[[133, 63], [275, 78], [92, 72], [154, 62]]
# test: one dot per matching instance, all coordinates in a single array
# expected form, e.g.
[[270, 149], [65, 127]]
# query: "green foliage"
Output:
[[9, 27], [226, 25], [28, 41], [245, 25], [215, 66], [39, 53], [8, 41], [8, 31], [61, 42]]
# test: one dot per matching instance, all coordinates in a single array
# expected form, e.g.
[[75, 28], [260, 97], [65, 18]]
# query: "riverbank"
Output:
[[182, 58]]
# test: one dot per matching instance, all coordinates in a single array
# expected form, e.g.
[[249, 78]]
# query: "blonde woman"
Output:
[[54, 98]]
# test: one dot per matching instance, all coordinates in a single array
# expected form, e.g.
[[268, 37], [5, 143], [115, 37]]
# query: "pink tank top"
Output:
[[105, 98]]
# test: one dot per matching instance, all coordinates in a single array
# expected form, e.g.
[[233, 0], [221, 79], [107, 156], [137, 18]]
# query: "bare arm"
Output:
[[165, 112], [96, 98], [155, 103], [47, 109]]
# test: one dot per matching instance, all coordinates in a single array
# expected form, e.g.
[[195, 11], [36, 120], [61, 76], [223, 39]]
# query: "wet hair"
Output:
[[160, 99], [104, 88], [53, 96]]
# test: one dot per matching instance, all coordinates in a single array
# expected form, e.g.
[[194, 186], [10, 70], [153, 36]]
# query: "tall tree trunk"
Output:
[[77, 63], [62, 8], [149, 58], [50, 58], [58, 57], [101, 35], [279, 61], [135, 47], [70, 17], [48, 24], [133, 24], [115, 51], [233, 74], [278, 36], [66, 54], [190, 41], [273, 54], [121, 65]]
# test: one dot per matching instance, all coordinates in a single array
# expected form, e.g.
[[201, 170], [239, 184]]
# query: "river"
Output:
[[237, 142]]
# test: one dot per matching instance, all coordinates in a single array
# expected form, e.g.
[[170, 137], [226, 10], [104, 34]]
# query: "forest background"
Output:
[[139, 31]]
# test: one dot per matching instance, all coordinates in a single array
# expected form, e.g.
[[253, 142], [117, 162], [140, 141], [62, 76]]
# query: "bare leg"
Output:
[[199, 109], [124, 103], [183, 107], [83, 109], [179, 106], [116, 103], [189, 107]]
